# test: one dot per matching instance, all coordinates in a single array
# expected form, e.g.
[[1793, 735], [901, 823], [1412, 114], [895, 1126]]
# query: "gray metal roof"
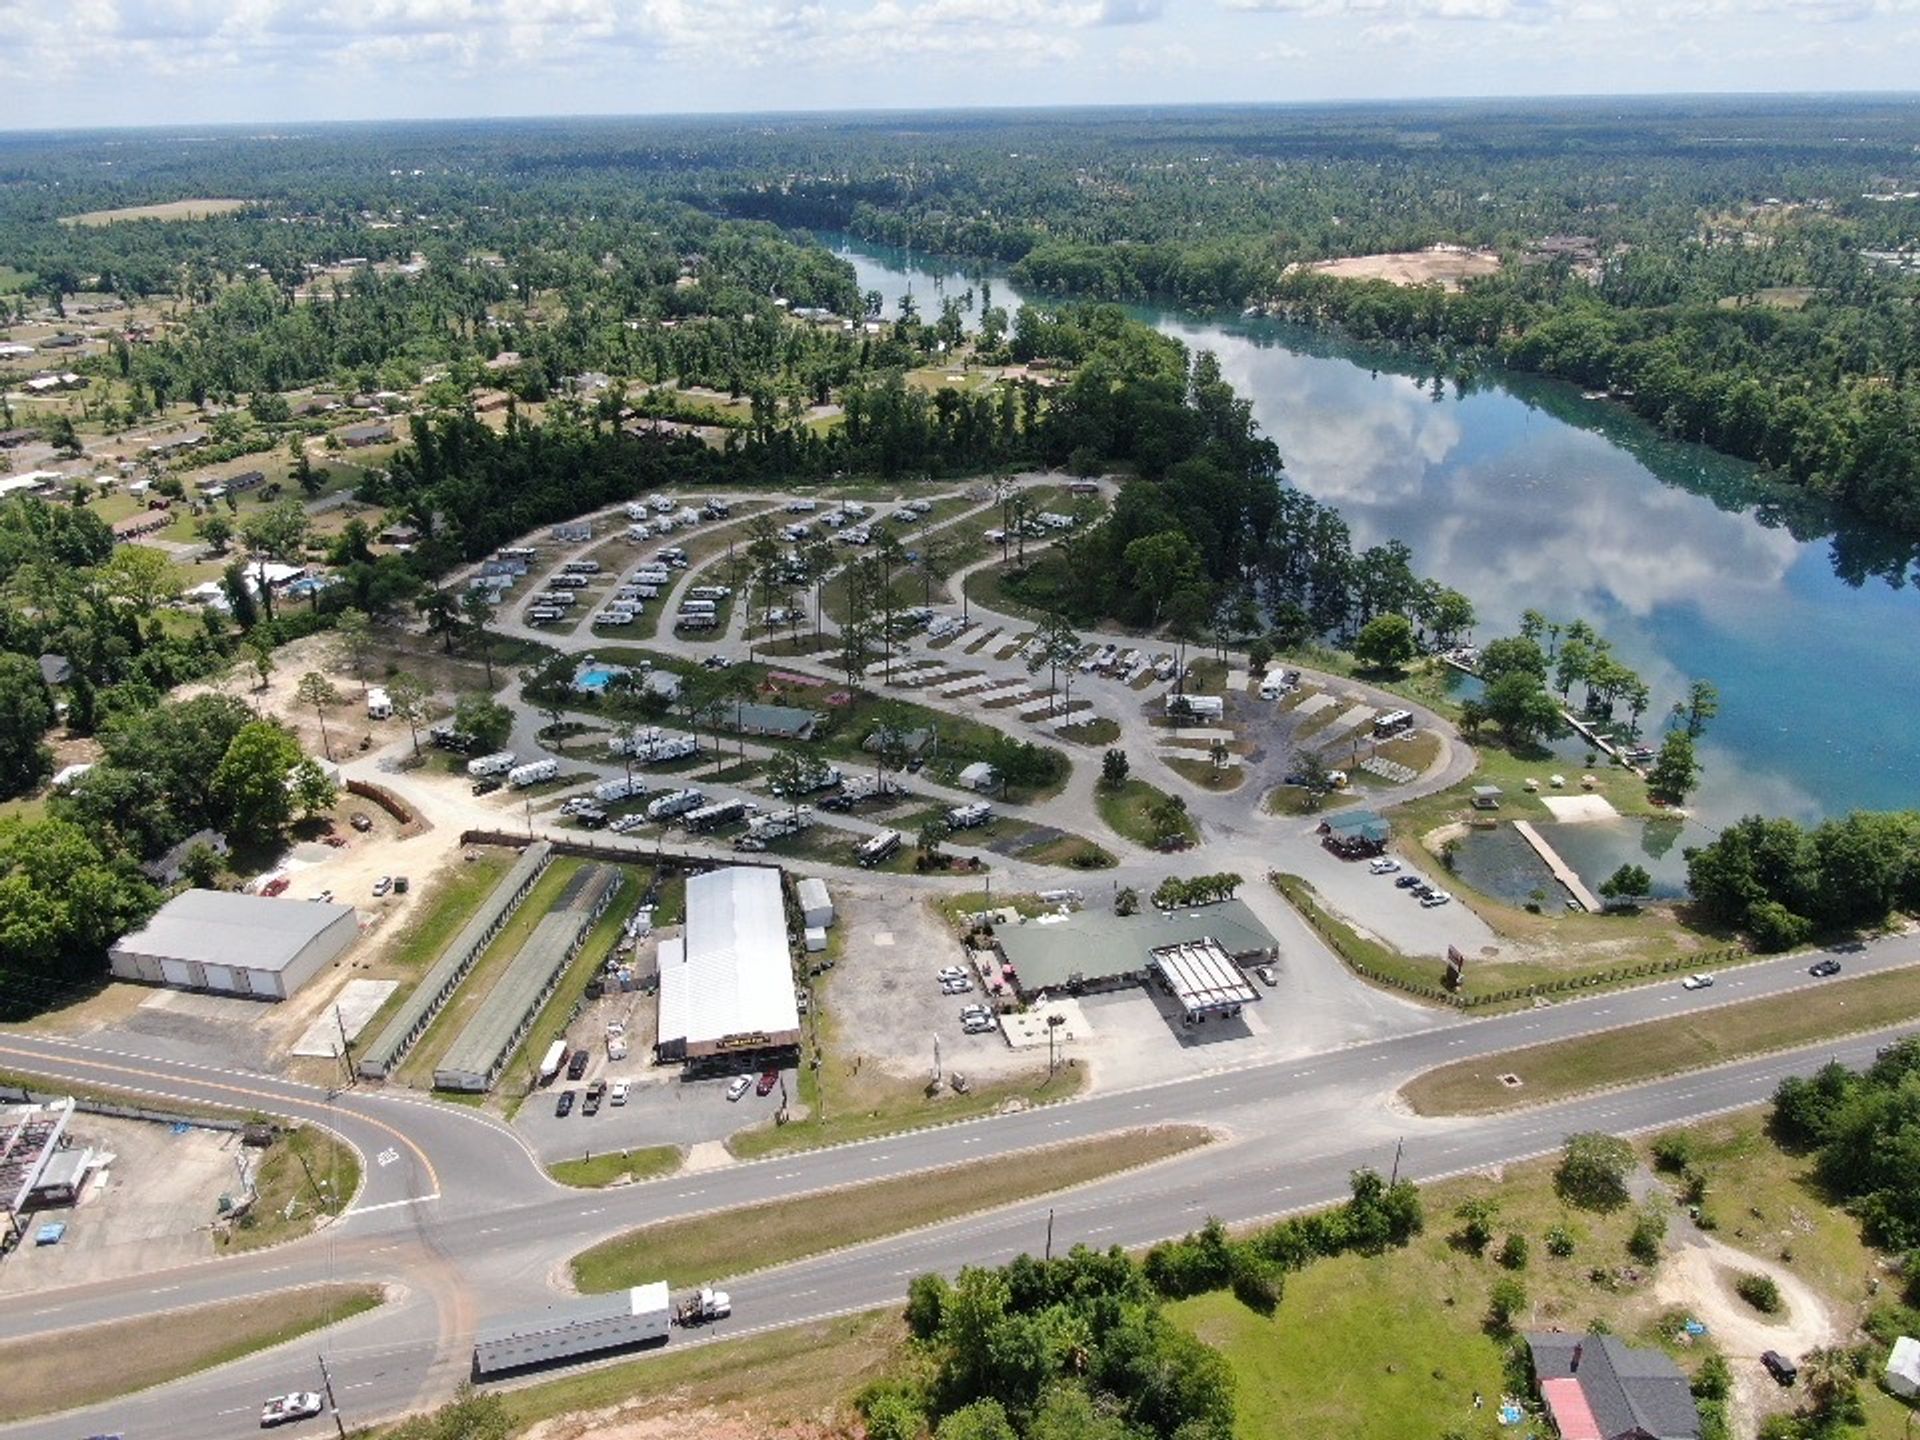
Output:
[[1631, 1392], [503, 1017], [1098, 944], [586, 1310], [733, 975], [453, 962], [217, 927]]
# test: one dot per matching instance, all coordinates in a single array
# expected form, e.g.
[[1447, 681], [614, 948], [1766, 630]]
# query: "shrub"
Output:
[[1759, 1291], [1714, 1379], [1513, 1254], [1508, 1299], [1258, 1283], [1559, 1241], [927, 1305], [1476, 1225], [1673, 1153], [1648, 1234]]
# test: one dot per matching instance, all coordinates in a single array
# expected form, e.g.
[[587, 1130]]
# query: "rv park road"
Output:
[[462, 1226]]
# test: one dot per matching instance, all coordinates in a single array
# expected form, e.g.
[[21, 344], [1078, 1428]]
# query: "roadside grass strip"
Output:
[[617, 1167], [1658, 1048], [67, 1369], [776, 1232]]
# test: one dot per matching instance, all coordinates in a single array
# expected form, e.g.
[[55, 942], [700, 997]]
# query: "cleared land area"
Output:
[[1665, 1047], [169, 210], [1413, 267], [70, 1368], [685, 1252]]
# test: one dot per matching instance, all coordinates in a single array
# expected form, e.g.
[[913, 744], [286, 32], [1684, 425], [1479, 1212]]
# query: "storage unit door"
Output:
[[177, 972], [220, 977]]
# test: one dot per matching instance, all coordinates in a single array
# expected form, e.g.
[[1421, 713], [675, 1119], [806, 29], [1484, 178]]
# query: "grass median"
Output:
[[702, 1247], [70, 1368], [1561, 1068], [1130, 808], [617, 1167]]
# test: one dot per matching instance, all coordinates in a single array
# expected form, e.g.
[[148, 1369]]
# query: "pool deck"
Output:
[[1562, 871]]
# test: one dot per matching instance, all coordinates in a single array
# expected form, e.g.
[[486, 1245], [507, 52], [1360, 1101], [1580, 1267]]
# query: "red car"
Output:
[[274, 886], [768, 1080]]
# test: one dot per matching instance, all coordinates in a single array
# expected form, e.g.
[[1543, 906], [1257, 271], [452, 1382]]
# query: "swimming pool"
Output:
[[594, 678]]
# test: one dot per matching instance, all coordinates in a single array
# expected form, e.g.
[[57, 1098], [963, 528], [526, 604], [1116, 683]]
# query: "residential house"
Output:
[[1597, 1387], [357, 436], [167, 869]]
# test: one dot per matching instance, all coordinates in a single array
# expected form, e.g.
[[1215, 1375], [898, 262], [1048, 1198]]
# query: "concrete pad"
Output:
[[1350, 719], [1203, 734], [707, 1155], [1314, 704], [356, 1004], [1200, 757], [1236, 680], [1028, 1029], [1580, 807], [968, 685]]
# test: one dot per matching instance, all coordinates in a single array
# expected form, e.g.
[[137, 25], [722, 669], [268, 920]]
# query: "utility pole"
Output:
[[1049, 1232], [936, 1059], [1398, 1146], [346, 1046], [333, 1405]]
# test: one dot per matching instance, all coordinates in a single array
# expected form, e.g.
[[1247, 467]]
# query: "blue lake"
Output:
[[1523, 495]]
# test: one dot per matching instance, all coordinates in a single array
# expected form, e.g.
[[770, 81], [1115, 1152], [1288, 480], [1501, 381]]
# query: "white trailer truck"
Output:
[[574, 1328]]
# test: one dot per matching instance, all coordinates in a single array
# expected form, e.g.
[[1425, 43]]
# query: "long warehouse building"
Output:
[[726, 986], [436, 987], [235, 944], [475, 1059]]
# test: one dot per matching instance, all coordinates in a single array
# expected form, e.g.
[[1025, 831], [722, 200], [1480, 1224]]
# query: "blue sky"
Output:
[[109, 62]]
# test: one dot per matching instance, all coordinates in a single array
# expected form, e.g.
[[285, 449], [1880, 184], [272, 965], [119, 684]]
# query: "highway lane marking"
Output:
[[179, 1085], [164, 1290]]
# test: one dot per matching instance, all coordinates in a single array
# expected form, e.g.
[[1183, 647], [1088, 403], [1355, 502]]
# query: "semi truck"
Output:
[[573, 1328], [703, 1306], [532, 773]]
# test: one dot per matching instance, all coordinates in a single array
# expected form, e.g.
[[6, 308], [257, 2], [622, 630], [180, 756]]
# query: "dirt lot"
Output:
[[171, 210], [151, 1208], [885, 1000], [1414, 267]]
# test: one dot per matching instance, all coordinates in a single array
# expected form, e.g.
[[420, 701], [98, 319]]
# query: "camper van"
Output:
[[379, 704], [497, 763], [677, 802], [876, 848]]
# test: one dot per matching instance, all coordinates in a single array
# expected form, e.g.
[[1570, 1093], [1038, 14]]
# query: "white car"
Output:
[[1385, 865], [617, 1093], [300, 1405], [738, 1087], [955, 985], [382, 886], [1435, 897], [952, 972], [979, 1025], [1696, 982], [1267, 976]]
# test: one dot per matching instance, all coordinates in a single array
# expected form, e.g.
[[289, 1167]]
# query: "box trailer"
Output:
[[573, 1328], [551, 1062]]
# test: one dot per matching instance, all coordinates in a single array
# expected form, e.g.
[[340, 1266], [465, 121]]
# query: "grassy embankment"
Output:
[[690, 1251], [71, 1368], [1634, 1053], [306, 1174]]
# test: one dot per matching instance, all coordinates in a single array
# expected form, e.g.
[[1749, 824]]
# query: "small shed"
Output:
[[1903, 1368], [816, 906], [1486, 797], [979, 776]]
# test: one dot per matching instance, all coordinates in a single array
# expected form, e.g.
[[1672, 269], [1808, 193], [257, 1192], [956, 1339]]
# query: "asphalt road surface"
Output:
[[462, 1226]]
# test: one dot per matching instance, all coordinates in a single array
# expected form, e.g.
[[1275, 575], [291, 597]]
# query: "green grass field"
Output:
[[755, 1237], [596, 1172], [1126, 811], [1666, 1047]]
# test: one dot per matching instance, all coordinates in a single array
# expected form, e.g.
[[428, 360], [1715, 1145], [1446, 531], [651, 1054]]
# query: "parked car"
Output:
[[1267, 975], [596, 1092], [382, 886], [955, 985], [300, 1405], [768, 1079], [1783, 1370], [738, 1086], [1407, 882], [617, 1093], [1435, 898], [1697, 982], [360, 820], [1385, 865], [979, 1025], [1820, 969], [486, 785], [277, 885], [563, 1106], [325, 897], [577, 1064]]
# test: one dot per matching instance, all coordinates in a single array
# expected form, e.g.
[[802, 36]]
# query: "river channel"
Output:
[[1523, 494]]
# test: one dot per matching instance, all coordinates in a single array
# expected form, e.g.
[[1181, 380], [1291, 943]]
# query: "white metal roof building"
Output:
[[727, 986], [1203, 979], [235, 944]]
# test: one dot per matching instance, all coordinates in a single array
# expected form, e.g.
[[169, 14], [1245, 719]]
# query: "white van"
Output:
[[379, 704]]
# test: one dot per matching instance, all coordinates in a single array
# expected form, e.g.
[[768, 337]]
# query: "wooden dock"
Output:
[[1562, 871]]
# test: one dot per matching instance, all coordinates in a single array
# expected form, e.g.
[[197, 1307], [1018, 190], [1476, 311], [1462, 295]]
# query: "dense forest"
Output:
[[1712, 261]]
